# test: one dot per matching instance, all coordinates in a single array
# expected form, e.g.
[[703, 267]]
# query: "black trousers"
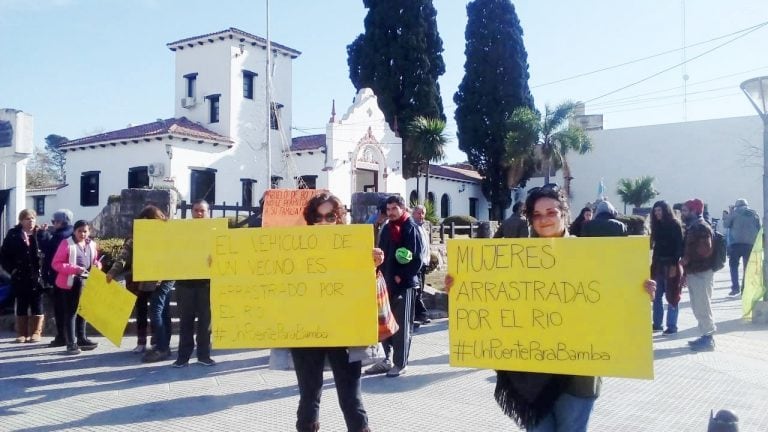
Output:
[[74, 324], [399, 345], [29, 298], [309, 363], [194, 301]]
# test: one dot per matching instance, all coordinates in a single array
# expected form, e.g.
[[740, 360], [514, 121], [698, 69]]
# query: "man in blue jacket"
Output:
[[399, 239]]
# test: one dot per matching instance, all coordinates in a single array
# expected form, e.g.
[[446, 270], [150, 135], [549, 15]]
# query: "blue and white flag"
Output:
[[601, 190]]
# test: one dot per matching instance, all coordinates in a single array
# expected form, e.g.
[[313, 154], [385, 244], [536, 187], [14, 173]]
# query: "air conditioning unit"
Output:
[[188, 102], [156, 169]]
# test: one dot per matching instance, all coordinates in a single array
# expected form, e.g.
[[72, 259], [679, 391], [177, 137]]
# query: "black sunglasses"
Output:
[[554, 187], [328, 217]]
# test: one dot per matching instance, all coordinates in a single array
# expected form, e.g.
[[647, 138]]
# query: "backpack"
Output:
[[719, 251]]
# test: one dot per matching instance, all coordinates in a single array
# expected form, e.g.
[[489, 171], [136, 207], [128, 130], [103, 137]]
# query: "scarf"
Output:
[[394, 228], [528, 397]]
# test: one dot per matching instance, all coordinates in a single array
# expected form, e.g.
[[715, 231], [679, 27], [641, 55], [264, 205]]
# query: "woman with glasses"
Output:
[[326, 209], [541, 402]]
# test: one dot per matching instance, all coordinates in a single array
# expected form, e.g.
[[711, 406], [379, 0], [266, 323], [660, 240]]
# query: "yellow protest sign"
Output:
[[311, 286], [106, 306], [173, 249], [567, 305], [754, 288]]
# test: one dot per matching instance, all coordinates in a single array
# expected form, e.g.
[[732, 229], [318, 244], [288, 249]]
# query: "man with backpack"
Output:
[[698, 264], [744, 224]]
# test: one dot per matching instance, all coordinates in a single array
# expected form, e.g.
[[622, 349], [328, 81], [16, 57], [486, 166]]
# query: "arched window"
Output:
[[445, 206], [414, 197], [431, 198]]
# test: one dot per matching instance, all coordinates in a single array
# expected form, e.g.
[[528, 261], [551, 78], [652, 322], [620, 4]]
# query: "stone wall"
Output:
[[116, 219]]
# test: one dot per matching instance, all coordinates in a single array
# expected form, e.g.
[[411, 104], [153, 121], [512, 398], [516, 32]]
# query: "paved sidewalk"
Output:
[[109, 389]]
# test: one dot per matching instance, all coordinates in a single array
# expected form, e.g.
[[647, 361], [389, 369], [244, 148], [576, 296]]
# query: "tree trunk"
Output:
[[418, 191], [426, 185]]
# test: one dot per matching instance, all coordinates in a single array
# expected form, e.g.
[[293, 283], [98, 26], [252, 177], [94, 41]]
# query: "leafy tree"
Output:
[[428, 139], [41, 170], [495, 83], [637, 191], [400, 57], [555, 139], [57, 157]]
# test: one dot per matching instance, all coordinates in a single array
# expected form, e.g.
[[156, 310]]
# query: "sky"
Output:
[[81, 67]]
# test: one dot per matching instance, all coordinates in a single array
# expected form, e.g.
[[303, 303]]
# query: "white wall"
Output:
[[458, 202], [219, 66], [703, 159], [13, 163]]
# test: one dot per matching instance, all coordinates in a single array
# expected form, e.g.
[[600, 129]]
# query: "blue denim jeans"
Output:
[[570, 414], [658, 302], [738, 252], [160, 315]]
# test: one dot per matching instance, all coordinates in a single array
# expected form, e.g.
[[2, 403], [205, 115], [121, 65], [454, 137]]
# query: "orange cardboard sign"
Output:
[[285, 207]]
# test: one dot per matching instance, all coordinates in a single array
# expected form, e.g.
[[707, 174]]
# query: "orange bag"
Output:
[[387, 324]]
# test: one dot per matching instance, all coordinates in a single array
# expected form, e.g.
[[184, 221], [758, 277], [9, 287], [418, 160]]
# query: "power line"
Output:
[[748, 29], [677, 65]]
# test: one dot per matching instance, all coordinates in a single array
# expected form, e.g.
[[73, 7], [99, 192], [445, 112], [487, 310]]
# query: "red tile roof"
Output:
[[173, 126], [309, 142], [244, 35]]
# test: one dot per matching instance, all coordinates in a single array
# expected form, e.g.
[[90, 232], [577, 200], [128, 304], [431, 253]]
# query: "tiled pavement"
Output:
[[109, 389]]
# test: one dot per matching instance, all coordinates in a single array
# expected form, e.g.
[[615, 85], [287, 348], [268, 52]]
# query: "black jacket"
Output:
[[409, 273], [20, 260], [667, 241], [49, 242], [603, 225]]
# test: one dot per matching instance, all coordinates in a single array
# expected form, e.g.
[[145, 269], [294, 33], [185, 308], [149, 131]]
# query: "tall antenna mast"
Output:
[[268, 124], [685, 68]]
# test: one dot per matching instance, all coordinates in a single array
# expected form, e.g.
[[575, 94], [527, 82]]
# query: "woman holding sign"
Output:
[[326, 209], [543, 402]]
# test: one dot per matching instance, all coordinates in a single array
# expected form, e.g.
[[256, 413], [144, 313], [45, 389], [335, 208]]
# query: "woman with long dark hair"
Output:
[[545, 402], [667, 244], [585, 215], [326, 209]]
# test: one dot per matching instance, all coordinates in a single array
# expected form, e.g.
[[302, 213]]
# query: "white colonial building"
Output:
[[215, 147], [16, 130]]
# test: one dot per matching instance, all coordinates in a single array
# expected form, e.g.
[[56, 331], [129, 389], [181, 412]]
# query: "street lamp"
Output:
[[756, 90]]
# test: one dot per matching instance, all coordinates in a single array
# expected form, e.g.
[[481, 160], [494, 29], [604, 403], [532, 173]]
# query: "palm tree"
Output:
[[556, 138], [637, 191], [429, 138]]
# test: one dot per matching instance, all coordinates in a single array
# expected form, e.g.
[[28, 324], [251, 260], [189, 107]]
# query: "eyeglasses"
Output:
[[554, 187], [328, 217]]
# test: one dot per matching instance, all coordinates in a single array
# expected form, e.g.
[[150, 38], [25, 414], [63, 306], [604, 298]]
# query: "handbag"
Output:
[[387, 324]]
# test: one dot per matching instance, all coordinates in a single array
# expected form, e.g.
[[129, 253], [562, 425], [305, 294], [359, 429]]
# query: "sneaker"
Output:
[[396, 371], [180, 364], [734, 292], [657, 328], [423, 319], [704, 343], [139, 349], [86, 344], [669, 331], [72, 350], [207, 362], [379, 368], [57, 343], [155, 356]]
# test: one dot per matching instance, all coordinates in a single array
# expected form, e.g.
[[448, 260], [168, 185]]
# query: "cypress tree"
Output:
[[495, 83], [400, 57]]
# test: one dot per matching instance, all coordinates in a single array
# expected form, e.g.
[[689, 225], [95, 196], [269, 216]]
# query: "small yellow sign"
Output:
[[174, 249], [106, 306], [567, 305], [283, 287]]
